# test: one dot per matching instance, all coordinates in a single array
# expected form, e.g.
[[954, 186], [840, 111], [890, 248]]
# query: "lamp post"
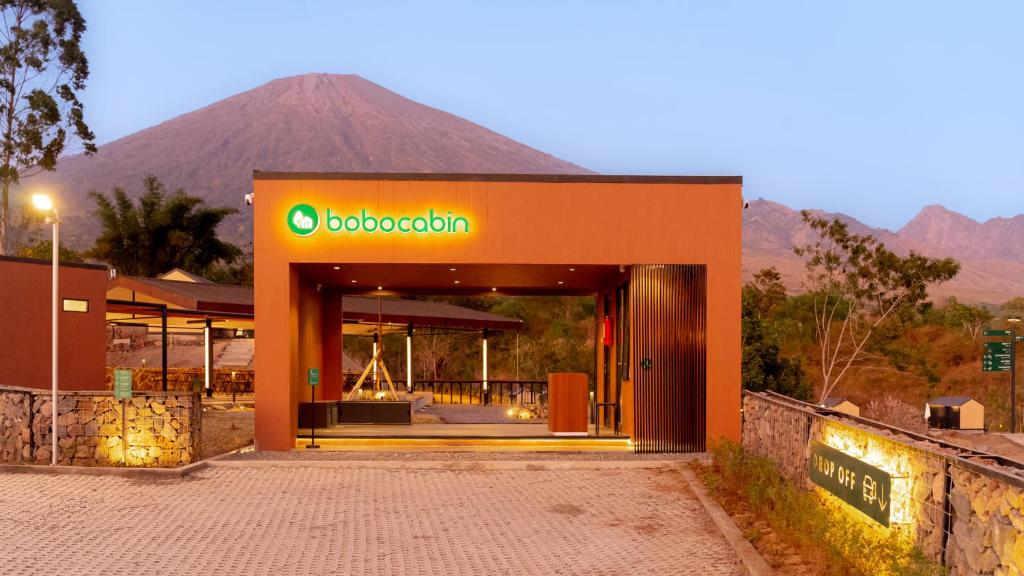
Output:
[[44, 203], [1013, 321]]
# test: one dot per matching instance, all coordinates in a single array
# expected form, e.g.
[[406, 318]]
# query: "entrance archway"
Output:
[[660, 254]]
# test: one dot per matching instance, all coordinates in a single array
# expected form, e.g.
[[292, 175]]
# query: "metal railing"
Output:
[[225, 382], [499, 392]]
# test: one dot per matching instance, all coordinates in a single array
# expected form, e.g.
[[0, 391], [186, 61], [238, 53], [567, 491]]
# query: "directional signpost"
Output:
[[1000, 356], [313, 379], [123, 392]]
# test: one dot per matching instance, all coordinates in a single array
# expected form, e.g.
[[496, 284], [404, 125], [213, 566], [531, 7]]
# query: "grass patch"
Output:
[[827, 537]]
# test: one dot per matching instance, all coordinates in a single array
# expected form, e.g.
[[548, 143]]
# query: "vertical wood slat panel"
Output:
[[669, 318]]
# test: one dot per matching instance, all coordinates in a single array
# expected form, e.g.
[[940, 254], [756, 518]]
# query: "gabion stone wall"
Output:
[[15, 433], [988, 525], [225, 380], [963, 509], [153, 429], [781, 435]]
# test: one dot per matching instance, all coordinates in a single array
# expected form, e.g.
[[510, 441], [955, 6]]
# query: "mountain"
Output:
[[991, 253], [938, 230], [329, 122], [314, 122]]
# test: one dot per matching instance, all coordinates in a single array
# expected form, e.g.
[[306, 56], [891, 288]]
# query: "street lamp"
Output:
[[44, 203]]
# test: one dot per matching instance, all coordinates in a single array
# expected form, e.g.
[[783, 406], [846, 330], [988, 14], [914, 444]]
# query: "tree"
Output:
[[240, 274], [1013, 308], [43, 250], [858, 285], [765, 291], [763, 368], [971, 318], [161, 232], [42, 70]]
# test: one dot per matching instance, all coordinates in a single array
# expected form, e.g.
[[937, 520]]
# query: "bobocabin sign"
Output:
[[853, 481]]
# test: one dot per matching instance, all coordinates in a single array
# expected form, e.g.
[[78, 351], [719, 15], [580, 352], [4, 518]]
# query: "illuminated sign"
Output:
[[304, 220], [853, 481]]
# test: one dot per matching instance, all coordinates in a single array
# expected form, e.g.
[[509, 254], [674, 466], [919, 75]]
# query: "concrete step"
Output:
[[235, 353], [470, 444]]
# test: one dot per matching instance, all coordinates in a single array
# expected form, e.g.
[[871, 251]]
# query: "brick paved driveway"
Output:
[[339, 518]]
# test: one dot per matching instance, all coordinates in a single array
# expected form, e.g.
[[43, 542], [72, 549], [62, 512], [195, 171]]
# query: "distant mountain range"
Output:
[[328, 122], [991, 253]]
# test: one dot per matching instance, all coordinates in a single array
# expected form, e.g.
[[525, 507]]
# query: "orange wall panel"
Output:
[[25, 323]]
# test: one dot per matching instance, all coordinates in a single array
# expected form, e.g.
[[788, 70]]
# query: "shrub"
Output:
[[895, 412], [826, 534]]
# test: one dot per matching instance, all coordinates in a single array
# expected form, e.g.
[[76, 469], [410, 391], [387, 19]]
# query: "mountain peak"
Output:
[[940, 211], [992, 252], [937, 228], [309, 122]]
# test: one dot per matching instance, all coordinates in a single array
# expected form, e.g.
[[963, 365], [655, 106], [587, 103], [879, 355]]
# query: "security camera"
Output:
[[250, 198]]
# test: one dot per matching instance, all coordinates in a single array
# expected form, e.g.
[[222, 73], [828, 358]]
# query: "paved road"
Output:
[[340, 518]]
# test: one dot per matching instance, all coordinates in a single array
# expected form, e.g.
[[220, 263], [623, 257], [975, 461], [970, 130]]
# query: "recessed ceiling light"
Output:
[[494, 289], [353, 281], [458, 281], [560, 282], [380, 287], [452, 269], [572, 269], [337, 267]]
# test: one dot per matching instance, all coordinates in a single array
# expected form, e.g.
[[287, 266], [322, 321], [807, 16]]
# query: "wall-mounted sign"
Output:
[[122, 384], [305, 220], [853, 481]]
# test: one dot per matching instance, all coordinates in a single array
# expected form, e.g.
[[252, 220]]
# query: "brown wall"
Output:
[[25, 303], [512, 222]]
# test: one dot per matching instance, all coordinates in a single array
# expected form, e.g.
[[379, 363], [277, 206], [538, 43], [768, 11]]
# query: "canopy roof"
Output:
[[833, 401], [193, 301], [951, 401]]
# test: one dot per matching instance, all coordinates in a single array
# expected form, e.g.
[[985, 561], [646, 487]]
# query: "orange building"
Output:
[[661, 255], [26, 301]]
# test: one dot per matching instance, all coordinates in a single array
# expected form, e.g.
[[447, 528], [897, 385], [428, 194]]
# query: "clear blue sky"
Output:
[[871, 108]]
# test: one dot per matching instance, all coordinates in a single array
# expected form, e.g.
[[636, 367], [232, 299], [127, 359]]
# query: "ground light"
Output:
[[408, 360], [486, 398], [44, 203]]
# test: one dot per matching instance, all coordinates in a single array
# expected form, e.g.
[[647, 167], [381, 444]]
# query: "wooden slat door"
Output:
[[669, 315]]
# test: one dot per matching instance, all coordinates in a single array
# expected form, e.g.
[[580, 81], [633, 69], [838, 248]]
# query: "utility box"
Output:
[[956, 413], [568, 403]]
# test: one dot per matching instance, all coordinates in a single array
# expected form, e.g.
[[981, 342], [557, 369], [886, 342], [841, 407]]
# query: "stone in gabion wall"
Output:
[[15, 435], [988, 526], [150, 430]]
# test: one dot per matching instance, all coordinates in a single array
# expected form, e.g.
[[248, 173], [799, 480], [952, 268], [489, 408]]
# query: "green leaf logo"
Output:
[[303, 220]]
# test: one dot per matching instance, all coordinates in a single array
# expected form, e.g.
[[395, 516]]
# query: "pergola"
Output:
[[180, 301]]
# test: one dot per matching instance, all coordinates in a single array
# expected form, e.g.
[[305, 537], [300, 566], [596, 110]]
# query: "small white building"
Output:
[[956, 413]]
